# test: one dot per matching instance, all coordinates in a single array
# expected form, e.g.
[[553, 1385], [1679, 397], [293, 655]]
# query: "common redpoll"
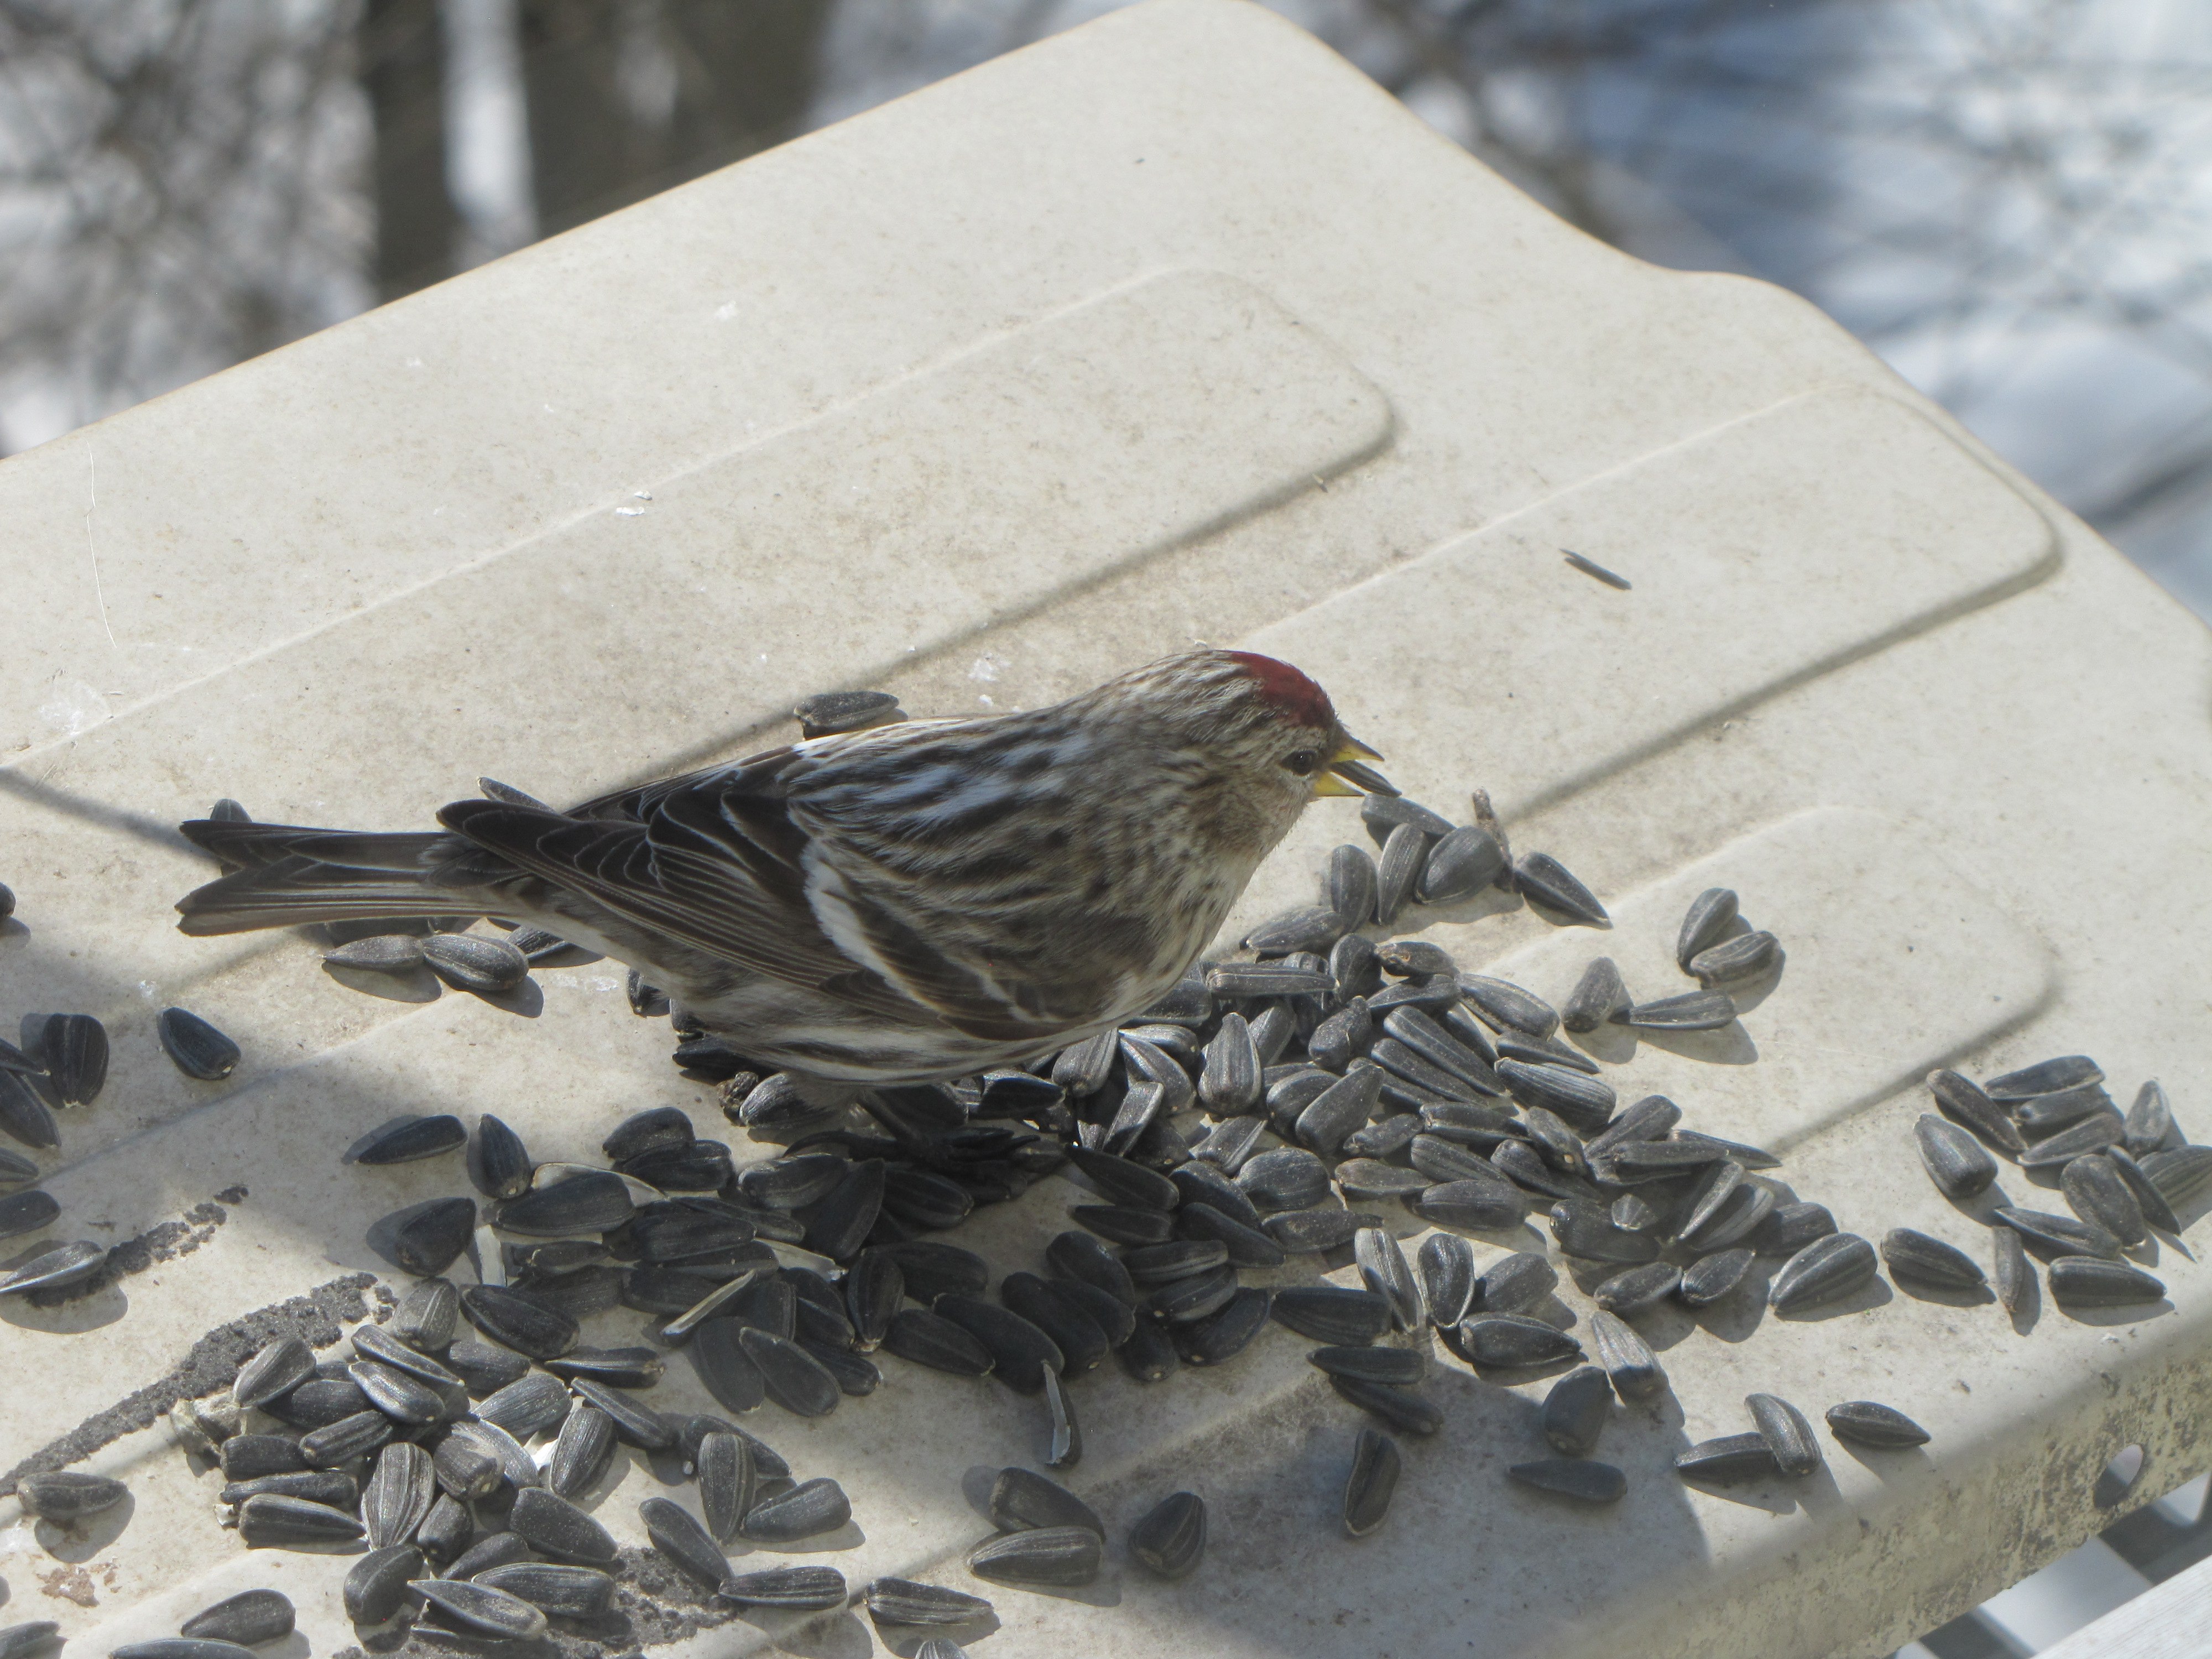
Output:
[[914, 901]]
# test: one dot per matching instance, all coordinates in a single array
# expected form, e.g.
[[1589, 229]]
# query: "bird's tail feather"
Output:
[[286, 874]]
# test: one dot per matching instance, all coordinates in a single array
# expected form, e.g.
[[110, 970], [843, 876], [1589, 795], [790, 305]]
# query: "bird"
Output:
[[908, 904]]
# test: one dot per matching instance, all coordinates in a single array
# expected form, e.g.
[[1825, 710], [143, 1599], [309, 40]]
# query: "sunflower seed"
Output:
[[1585, 1230], [1511, 1342], [1399, 1367], [19, 1641], [1463, 864], [1866, 1424], [1599, 997], [1352, 968], [1385, 1270], [2051, 1236], [74, 1050], [1731, 1458], [1264, 979], [1203, 1184], [68, 1495], [468, 962], [1288, 1178], [554, 1526], [398, 1396], [1246, 1246], [2150, 1120], [1171, 1537], [727, 1482], [1824, 1271], [1373, 1480], [1149, 1353], [596, 1202], [1185, 1301], [1385, 1140], [2156, 1211], [1925, 1260], [793, 1377], [2090, 1134], [247, 1619], [516, 1467], [677, 1534], [24, 1116], [1585, 1104], [1380, 814], [2044, 1078], [339, 1490], [1305, 1232], [1543, 880], [1330, 1315], [445, 1531], [493, 1551], [1444, 1050], [1637, 1289], [433, 1235], [1704, 924], [1576, 1411], [1689, 1011], [1628, 1361], [1438, 993], [719, 1359], [1746, 957], [1446, 1160], [2046, 1114], [1483, 1205], [375, 1342], [1789, 1228], [1649, 1119], [1403, 1409], [1955, 1161], [1076, 1255], [565, 1592], [1066, 1451], [1348, 885], [376, 1587], [1308, 928], [1789, 1436], [1710, 1278], [1123, 1181], [272, 1521], [2180, 1173], [807, 1510], [525, 1406], [929, 1338], [381, 953], [2014, 1277], [518, 1321], [2096, 1192], [349, 1437], [790, 1589], [248, 1456], [2088, 1281], [1961, 1099], [27, 1212], [1405, 850], [198, 1049], [399, 1494], [277, 1370], [1021, 1499], [1082, 1068], [481, 1607], [1446, 1265], [464, 1468], [903, 1601]]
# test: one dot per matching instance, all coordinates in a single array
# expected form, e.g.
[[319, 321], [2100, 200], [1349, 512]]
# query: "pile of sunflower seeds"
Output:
[[1285, 1105]]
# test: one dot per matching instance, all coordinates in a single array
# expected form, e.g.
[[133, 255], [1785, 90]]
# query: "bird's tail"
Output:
[[283, 874]]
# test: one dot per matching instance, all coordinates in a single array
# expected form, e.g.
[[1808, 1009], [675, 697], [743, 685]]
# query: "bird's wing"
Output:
[[715, 861]]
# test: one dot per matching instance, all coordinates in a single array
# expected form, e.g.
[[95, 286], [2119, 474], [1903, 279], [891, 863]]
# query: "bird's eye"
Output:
[[1302, 763]]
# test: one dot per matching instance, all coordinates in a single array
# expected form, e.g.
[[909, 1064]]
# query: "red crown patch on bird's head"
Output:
[[1288, 691]]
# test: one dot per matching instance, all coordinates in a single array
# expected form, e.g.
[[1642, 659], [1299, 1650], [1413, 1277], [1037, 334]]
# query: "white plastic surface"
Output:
[[1173, 327]]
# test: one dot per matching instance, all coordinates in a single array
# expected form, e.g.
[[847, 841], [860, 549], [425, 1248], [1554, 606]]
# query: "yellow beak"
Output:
[[1344, 774]]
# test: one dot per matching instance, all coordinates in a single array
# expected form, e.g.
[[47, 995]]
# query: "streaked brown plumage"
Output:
[[914, 901]]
